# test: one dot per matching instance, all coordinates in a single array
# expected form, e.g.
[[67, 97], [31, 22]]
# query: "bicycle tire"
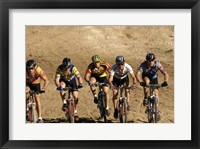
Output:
[[71, 113], [33, 114], [123, 112], [155, 110], [150, 113], [104, 108]]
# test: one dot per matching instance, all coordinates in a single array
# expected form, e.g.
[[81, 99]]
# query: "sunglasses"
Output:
[[96, 62], [66, 68], [120, 64]]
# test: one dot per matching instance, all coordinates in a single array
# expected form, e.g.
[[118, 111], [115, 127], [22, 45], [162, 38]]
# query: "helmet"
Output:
[[67, 62], [30, 64], [119, 59], [150, 56], [96, 58]]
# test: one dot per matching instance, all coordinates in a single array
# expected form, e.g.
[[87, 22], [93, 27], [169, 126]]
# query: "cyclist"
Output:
[[34, 75], [118, 76], [147, 73], [68, 75], [97, 71]]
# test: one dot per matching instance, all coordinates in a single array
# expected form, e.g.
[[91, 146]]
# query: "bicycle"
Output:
[[101, 100], [152, 106], [31, 107], [123, 105], [70, 115]]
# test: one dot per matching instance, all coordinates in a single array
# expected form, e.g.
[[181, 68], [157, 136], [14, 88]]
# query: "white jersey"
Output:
[[120, 74]]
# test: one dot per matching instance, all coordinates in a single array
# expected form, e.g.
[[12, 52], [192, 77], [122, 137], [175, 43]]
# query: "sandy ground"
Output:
[[48, 45]]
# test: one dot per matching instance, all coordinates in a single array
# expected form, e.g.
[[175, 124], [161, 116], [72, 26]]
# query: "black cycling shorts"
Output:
[[35, 87], [71, 83], [100, 79], [117, 82]]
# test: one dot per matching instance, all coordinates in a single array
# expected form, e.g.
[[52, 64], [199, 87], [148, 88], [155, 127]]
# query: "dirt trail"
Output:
[[48, 45]]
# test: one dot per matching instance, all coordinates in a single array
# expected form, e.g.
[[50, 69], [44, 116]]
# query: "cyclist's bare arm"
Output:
[[87, 77], [166, 76], [110, 79], [57, 80], [46, 81], [80, 81], [139, 76], [133, 77]]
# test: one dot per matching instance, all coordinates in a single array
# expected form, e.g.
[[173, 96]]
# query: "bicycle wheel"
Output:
[[104, 108], [71, 113], [33, 113], [155, 120], [123, 113], [151, 115]]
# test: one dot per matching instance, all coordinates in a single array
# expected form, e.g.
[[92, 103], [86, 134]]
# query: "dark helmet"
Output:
[[150, 56], [120, 59], [96, 58], [30, 64], [67, 62]]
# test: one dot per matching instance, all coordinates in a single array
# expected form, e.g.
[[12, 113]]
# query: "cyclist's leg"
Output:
[[116, 83], [105, 89], [63, 96], [155, 81], [27, 100], [74, 86], [36, 88], [27, 91], [75, 96], [125, 81], [156, 93], [38, 105], [93, 79], [63, 93], [147, 81]]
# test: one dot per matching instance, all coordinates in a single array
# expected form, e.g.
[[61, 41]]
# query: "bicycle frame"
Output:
[[101, 100], [122, 104], [70, 106], [152, 108], [31, 105]]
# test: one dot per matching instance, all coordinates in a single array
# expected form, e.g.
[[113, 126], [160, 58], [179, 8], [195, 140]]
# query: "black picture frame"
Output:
[[5, 5]]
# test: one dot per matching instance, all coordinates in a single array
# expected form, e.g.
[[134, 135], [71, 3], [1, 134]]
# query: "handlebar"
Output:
[[97, 84], [153, 86], [122, 87], [67, 88], [33, 92]]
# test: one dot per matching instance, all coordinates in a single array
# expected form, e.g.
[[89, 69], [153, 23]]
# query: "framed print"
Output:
[[60, 44]]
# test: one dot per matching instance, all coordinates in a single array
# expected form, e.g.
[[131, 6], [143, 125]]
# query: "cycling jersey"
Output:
[[120, 74], [67, 74], [34, 78], [150, 72], [101, 71]]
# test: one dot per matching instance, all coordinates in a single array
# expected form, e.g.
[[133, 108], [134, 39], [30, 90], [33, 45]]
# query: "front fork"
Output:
[[121, 102], [151, 102]]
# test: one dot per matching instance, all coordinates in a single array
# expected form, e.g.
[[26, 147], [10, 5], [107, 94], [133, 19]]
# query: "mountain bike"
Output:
[[70, 115], [152, 107], [101, 100], [123, 104], [31, 107]]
